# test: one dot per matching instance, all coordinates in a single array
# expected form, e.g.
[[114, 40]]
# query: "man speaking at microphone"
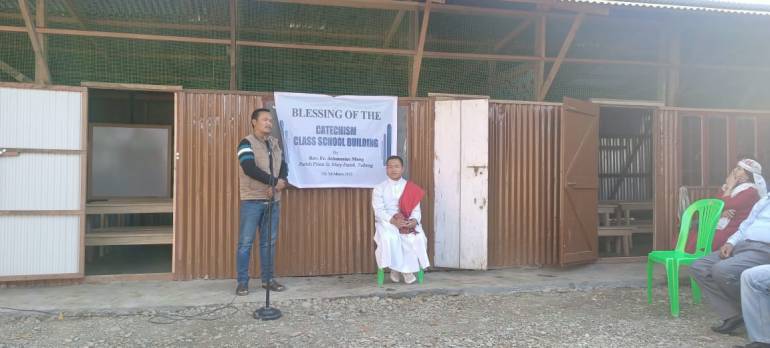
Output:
[[259, 155]]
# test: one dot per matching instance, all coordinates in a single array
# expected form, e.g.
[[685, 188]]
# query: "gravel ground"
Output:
[[602, 318]]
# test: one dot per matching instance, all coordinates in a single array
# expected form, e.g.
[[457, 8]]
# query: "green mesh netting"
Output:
[[295, 70], [706, 39], [16, 51]]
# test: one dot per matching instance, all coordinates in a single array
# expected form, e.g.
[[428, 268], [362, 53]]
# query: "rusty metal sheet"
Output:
[[322, 231], [524, 149], [667, 177]]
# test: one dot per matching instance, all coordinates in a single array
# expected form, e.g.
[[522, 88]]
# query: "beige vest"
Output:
[[253, 189]]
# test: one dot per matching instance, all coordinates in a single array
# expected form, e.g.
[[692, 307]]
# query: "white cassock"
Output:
[[404, 253]]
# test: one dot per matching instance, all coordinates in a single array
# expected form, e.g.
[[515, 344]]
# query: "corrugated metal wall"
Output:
[[322, 231], [208, 128], [524, 186], [667, 168], [38, 245], [625, 164], [54, 118], [421, 134], [614, 155], [668, 139], [40, 181]]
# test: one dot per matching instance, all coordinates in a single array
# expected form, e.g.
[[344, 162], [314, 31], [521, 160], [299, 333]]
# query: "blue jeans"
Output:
[[253, 214]]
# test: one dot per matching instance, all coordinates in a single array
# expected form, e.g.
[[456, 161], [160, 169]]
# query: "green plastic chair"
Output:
[[381, 276], [709, 212]]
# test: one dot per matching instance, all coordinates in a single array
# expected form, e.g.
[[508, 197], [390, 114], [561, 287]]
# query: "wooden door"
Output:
[[461, 183], [578, 226]]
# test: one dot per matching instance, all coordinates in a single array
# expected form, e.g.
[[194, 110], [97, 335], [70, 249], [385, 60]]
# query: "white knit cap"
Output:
[[755, 168]]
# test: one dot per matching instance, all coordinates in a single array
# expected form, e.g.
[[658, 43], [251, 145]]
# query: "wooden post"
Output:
[[562, 53], [672, 82], [540, 53], [41, 21], [233, 44], [42, 75], [662, 71], [417, 60]]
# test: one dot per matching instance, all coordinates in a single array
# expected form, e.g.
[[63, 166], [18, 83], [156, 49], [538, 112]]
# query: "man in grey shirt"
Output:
[[719, 274]]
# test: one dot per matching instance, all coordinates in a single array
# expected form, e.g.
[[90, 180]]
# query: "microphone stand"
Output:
[[267, 312]]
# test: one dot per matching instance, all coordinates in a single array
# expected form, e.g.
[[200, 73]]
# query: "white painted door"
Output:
[[461, 183], [42, 183]]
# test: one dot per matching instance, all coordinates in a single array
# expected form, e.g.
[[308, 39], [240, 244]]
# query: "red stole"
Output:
[[409, 200]]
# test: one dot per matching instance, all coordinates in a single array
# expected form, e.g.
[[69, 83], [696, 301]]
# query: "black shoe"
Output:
[[757, 345], [242, 289], [728, 325], [274, 286]]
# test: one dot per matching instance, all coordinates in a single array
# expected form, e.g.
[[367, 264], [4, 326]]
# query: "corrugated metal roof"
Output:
[[745, 7]]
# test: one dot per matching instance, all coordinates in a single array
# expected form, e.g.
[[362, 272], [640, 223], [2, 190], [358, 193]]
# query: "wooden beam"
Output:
[[72, 10], [384, 51], [501, 44], [390, 51], [42, 74], [662, 71], [513, 34], [672, 80], [18, 75], [417, 60], [594, 9], [393, 28], [540, 52], [627, 166], [233, 44], [437, 7], [389, 37], [366, 4], [41, 21], [562, 54]]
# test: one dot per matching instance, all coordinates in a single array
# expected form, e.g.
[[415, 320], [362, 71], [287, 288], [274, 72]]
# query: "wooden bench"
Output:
[[628, 207], [136, 235], [644, 228], [621, 234], [605, 210]]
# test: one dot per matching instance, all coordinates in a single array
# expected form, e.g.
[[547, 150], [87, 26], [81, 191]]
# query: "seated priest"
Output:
[[401, 242]]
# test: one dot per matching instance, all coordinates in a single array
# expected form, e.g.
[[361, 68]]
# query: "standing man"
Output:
[[755, 301], [401, 242], [262, 165], [719, 274]]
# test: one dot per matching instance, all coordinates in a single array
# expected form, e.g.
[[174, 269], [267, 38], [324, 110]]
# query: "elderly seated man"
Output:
[[719, 274], [401, 242], [755, 302]]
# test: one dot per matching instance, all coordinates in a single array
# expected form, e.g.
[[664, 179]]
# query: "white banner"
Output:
[[339, 141]]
